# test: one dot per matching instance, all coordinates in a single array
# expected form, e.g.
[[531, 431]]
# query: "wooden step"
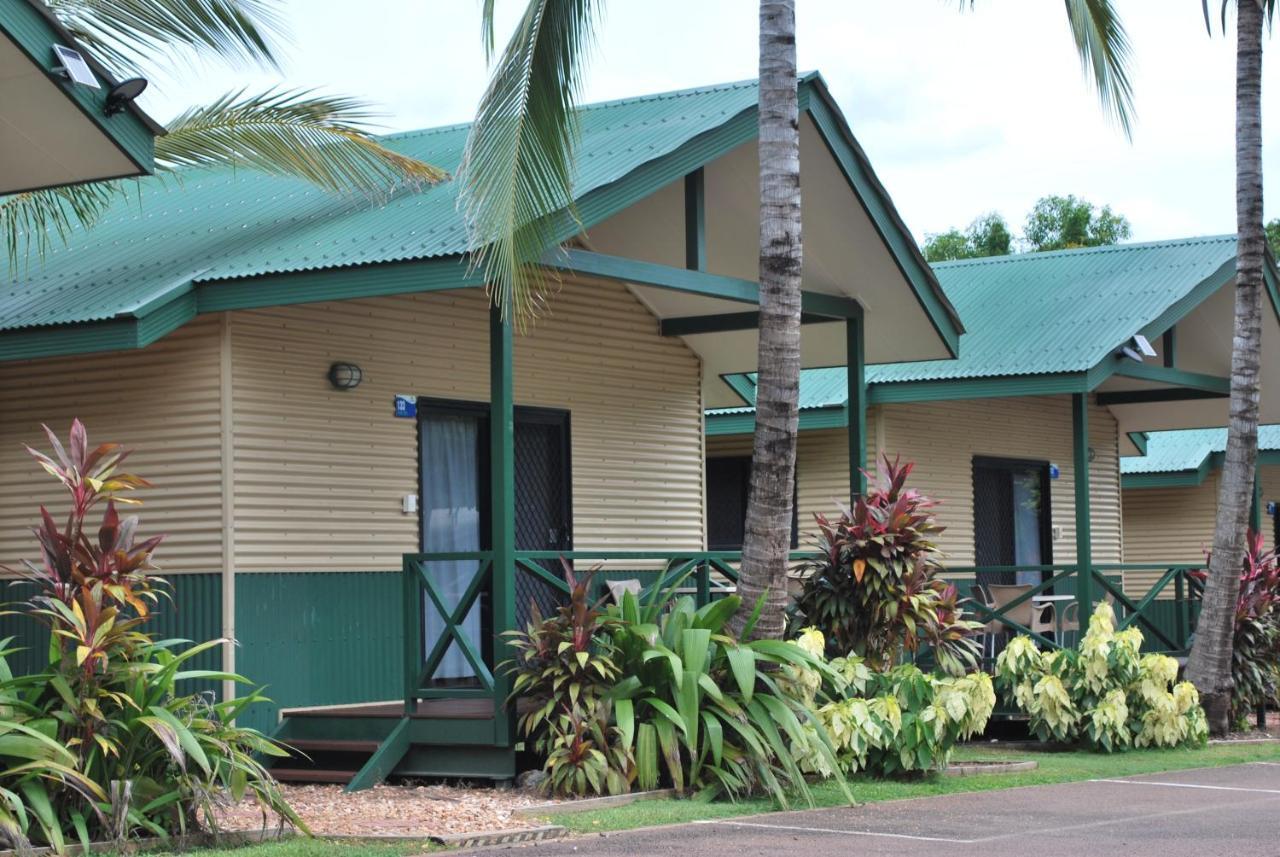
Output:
[[326, 745], [311, 775]]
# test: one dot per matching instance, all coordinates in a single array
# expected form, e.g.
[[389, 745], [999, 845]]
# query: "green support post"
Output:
[[502, 517], [1084, 543], [855, 353], [695, 221]]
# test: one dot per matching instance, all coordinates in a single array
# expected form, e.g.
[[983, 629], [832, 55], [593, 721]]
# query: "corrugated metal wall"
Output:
[[320, 474], [194, 613], [943, 437], [161, 401], [1175, 525], [319, 639]]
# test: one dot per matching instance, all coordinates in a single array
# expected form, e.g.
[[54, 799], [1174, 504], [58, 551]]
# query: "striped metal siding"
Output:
[[1173, 525], [161, 401], [319, 639], [943, 437], [194, 613], [320, 474]]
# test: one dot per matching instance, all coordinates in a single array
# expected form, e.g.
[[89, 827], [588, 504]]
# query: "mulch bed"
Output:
[[392, 810]]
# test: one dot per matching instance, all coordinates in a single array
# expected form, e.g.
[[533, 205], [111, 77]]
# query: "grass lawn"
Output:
[[1053, 768]]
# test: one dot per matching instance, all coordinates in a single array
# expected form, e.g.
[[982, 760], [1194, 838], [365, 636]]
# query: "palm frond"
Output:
[[127, 34], [517, 170], [322, 139], [1268, 9], [34, 219], [1103, 46]]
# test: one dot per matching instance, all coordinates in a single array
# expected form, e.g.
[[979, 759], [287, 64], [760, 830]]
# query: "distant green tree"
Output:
[[988, 235], [1063, 222], [1273, 237]]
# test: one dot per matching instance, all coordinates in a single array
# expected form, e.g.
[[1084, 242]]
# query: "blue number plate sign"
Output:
[[406, 406]]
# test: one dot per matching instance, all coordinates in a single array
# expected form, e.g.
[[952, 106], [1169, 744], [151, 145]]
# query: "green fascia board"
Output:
[[1182, 307], [336, 284], [117, 334], [1164, 394], [1139, 441], [1190, 478], [879, 208], [745, 423], [642, 273], [1005, 386], [741, 383], [1172, 377], [35, 30]]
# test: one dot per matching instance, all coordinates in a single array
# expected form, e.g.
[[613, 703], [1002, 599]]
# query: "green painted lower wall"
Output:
[[319, 638], [193, 613]]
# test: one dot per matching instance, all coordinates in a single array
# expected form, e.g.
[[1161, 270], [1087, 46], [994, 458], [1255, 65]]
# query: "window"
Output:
[[728, 483]]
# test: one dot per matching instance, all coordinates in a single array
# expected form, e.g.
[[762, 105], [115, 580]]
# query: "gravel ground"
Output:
[[392, 810]]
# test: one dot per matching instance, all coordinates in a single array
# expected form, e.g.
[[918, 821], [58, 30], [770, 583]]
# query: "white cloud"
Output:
[[960, 112]]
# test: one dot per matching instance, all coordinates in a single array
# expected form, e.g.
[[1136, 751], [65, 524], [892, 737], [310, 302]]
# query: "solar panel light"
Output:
[[73, 67], [1137, 348]]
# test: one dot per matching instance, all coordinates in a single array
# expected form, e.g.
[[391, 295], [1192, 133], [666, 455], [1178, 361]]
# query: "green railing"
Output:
[[709, 574], [706, 575], [1176, 590]]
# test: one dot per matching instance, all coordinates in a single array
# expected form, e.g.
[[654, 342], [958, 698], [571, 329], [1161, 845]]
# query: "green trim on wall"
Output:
[[745, 423], [1139, 441], [35, 32], [1173, 377], [976, 388]]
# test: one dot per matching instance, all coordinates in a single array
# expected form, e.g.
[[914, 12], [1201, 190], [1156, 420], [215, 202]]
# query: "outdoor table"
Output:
[[1043, 599]]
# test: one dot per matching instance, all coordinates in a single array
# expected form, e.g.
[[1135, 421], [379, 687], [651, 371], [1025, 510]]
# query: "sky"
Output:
[[960, 112]]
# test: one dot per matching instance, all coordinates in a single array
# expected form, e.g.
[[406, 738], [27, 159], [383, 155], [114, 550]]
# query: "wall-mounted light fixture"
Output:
[[345, 376], [122, 94]]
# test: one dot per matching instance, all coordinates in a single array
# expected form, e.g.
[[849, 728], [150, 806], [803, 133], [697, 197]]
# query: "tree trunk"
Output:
[[1210, 665], [773, 470]]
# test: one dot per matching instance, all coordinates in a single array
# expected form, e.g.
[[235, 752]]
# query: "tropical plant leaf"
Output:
[[517, 169], [129, 35], [322, 139]]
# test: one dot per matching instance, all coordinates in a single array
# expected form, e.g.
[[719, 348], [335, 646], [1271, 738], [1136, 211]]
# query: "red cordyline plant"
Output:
[[89, 584], [1255, 658], [871, 586]]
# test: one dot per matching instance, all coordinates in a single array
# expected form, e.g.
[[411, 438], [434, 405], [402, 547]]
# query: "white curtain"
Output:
[[1026, 524], [451, 522]]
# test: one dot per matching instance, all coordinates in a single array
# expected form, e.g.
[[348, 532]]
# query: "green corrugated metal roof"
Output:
[[206, 225], [1187, 449], [203, 229], [1045, 313]]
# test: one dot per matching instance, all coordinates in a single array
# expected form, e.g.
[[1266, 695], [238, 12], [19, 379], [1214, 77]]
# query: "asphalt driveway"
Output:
[[1198, 813]]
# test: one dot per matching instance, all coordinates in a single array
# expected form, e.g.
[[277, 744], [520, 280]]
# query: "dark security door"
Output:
[[454, 493], [543, 507], [1011, 523]]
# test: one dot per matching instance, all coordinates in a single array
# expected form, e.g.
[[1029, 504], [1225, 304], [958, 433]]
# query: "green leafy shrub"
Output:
[[1255, 653], [723, 718], [100, 745], [898, 721], [654, 690], [564, 665], [871, 586], [1106, 695]]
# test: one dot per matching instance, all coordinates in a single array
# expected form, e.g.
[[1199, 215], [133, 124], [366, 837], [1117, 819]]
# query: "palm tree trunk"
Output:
[[1210, 665], [769, 506]]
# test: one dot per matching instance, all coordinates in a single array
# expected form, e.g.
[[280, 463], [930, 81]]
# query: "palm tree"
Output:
[[517, 177], [323, 139], [1209, 667]]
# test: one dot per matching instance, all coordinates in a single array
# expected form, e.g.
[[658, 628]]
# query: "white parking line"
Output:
[[1189, 786], [838, 831]]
